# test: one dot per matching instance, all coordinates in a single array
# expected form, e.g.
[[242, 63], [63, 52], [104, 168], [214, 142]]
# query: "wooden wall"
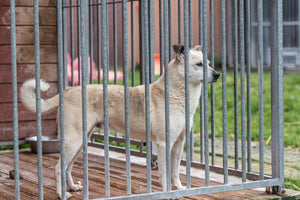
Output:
[[26, 64]]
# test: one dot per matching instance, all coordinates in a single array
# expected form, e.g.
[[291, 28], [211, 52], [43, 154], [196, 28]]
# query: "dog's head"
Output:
[[196, 64]]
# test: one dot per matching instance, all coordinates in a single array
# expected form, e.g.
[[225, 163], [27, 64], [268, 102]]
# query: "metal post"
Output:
[[38, 98], [15, 97], [60, 74], [224, 88], [277, 94], [187, 95], [84, 51]]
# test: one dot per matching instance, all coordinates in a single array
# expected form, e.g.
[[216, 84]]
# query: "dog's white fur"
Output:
[[116, 113]]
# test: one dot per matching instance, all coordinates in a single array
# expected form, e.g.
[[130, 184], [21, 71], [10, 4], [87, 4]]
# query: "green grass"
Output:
[[291, 108]]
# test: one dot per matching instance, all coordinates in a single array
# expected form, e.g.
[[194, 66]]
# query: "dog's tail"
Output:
[[28, 97]]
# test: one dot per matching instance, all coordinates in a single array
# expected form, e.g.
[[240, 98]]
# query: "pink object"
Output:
[[111, 74], [157, 64]]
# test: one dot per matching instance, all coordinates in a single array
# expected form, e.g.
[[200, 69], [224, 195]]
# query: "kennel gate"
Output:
[[85, 42]]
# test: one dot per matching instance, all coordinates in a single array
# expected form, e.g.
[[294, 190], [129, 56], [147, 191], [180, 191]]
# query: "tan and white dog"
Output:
[[116, 113]]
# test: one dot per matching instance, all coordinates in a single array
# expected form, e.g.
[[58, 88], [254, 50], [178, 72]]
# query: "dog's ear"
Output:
[[179, 50], [198, 48]]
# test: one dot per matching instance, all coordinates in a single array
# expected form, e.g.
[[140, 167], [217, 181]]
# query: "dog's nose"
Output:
[[216, 75]]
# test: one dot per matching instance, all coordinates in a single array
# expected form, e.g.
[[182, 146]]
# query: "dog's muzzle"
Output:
[[216, 76]]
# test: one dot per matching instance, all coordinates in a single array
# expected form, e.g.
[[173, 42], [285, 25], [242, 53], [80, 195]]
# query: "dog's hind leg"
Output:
[[176, 154], [73, 147]]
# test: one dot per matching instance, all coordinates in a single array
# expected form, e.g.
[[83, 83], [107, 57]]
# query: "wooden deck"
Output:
[[29, 188]]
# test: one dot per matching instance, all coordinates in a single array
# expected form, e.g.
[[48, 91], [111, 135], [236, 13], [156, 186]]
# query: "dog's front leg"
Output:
[[176, 155], [161, 156]]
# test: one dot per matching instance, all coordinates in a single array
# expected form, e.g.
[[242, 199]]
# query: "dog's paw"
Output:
[[181, 187], [76, 187], [68, 195]]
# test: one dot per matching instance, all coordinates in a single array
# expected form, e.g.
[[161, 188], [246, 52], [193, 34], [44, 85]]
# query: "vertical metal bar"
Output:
[[190, 24], [242, 69], [201, 98], [132, 44], [235, 45], [260, 87], [248, 63], [72, 43], [179, 21], [79, 40], [99, 41], [224, 88], [15, 96], [167, 108], [212, 88], [91, 39], [161, 37], [145, 44], [105, 98], [205, 93], [115, 30], [84, 51], [200, 21], [170, 27], [65, 44], [277, 94], [151, 40], [126, 96], [141, 25], [38, 98], [187, 90], [60, 74]]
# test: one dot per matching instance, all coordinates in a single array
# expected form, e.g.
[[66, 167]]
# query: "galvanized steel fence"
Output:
[[77, 23]]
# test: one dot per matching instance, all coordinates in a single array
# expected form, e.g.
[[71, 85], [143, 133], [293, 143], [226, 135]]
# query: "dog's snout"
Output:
[[216, 75]]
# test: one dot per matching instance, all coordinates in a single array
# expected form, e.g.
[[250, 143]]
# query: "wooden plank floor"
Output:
[[29, 188]]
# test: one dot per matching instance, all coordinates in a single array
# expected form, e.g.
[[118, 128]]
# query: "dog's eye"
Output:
[[199, 64]]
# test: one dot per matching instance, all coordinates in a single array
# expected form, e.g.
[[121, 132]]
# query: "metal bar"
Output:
[[205, 93], [145, 44], [72, 44], [105, 93], [190, 24], [200, 191], [99, 42], [91, 39], [38, 98], [115, 30], [161, 37], [167, 108], [151, 40], [235, 44], [248, 63], [170, 28], [60, 74], [126, 96], [212, 88], [132, 44], [79, 42], [187, 95], [179, 21], [15, 97], [200, 21], [260, 86], [84, 51], [65, 45], [242, 73], [224, 91], [277, 94]]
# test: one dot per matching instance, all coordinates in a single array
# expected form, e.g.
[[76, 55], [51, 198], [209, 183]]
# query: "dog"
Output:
[[116, 113]]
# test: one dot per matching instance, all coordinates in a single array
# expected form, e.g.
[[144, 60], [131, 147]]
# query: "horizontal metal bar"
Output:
[[201, 190]]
